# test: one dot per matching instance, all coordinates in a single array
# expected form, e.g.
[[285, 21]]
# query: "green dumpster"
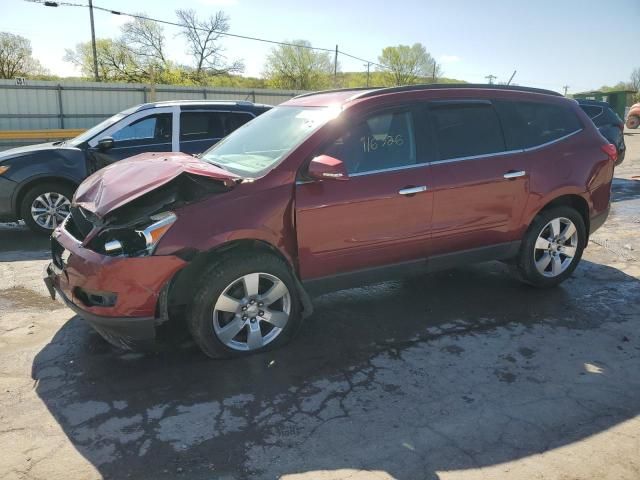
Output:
[[618, 99]]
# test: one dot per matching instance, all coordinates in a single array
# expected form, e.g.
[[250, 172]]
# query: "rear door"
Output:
[[379, 216], [480, 187], [201, 129]]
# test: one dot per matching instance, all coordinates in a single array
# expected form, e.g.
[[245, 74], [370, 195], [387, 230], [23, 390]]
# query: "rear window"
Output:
[[465, 130], [530, 124]]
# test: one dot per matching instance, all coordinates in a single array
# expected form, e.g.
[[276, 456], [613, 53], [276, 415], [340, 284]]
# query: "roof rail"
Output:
[[320, 92], [434, 86]]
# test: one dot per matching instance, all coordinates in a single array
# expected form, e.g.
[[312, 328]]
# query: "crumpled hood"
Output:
[[124, 181]]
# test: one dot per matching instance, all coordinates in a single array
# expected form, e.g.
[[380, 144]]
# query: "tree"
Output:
[[202, 39], [298, 67], [405, 65], [116, 62], [145, 39], [16, 59], [635, 82]]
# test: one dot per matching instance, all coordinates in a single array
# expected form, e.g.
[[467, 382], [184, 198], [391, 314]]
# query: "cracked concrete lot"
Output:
[[464, 374]]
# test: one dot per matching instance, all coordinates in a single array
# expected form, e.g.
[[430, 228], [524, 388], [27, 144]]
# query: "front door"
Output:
[[381, 214]]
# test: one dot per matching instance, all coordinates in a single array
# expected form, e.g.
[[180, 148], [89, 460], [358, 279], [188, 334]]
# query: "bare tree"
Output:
[[15, 57], [203, 43], [145, 39]]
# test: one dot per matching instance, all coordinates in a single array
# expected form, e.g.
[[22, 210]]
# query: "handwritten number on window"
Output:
[[371, 144]]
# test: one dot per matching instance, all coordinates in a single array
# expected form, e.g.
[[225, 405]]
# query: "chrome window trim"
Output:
[[542, 145], [383, 170], [202, 140]]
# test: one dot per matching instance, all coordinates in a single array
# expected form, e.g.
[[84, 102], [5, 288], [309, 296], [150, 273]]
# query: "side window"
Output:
[[529, 124], [381, 142], [236, 120], [466, 130], [201, 125], [151, 129]]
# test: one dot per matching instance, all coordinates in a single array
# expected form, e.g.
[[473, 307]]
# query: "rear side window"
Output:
[[592, 110], [210, 125], [201, 125], [466, 130], [529, 124]]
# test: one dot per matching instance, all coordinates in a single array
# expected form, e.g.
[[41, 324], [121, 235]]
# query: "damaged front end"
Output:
[[135, 228], [104, 266]]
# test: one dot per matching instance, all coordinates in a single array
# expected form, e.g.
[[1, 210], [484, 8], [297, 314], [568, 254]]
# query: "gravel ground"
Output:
[[464, 374]]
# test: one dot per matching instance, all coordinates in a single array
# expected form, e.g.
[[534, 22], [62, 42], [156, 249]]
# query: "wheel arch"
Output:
[[34, 181], [183, 284], [575, 201]]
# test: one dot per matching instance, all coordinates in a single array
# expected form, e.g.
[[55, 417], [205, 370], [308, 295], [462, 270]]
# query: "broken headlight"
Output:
[[136, 241]]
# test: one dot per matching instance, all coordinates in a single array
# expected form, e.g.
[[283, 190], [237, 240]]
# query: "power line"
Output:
[[227, 34]]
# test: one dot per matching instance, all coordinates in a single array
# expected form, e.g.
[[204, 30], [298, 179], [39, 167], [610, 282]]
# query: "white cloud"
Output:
[[449, 58]]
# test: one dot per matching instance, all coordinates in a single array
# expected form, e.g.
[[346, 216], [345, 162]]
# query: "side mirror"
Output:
[[105, 144], [325, 167]]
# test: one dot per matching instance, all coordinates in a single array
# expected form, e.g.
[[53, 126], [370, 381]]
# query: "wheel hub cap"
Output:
[[252, 311], [555, 247], [50, 209]]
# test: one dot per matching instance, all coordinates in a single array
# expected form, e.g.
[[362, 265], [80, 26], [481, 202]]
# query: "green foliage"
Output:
[[407, 65], [16, 59], [297, 67]]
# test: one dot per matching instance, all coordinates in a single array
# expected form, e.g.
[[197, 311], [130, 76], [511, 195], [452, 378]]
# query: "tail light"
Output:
[[611, 151]]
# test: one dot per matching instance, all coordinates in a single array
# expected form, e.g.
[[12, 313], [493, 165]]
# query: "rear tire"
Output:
[[552, 247], [633, 121], [45, 206], [234, 314]]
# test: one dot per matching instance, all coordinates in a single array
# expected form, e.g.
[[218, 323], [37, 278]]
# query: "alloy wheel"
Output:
[[555, 247], [252, 311], [50, 209]]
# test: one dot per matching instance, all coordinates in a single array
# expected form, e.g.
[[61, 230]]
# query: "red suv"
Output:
[[327, 191]]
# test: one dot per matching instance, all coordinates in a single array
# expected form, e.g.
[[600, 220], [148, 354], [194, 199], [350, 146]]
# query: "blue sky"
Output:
[[580, 43]]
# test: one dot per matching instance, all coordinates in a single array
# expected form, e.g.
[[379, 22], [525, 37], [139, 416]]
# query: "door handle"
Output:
[[514, 174], [412, 190]]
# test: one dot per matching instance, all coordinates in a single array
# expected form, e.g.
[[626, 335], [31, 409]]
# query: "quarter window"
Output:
[[466, 130], [529, 124], [592, 110], [383, 141]]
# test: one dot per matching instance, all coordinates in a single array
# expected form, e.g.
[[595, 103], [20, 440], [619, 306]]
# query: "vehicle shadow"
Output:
[[387, 377], [17, 242]]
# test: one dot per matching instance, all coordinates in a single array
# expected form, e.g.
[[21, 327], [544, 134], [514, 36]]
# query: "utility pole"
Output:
[[335, 68], [93, 43], [566, 87], [368, 67], [490, 78], [433, 77]]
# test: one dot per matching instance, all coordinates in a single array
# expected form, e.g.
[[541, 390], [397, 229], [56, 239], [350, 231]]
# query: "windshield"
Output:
[[93, 131], [258, 146]]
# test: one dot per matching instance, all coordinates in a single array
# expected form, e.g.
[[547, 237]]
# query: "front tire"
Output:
[[633, 121], [246, 303], [552, 247], [45, 206]]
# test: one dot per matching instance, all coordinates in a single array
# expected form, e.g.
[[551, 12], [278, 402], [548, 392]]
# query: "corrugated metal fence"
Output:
[[40, 104]]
